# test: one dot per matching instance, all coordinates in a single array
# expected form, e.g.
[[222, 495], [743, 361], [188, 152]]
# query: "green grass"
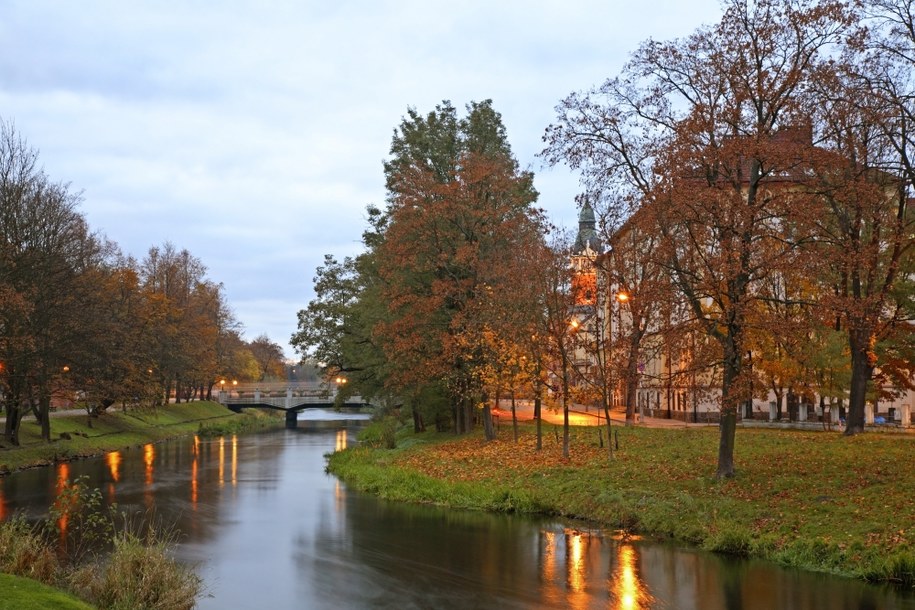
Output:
[[812, 500], [24, 594], [111, 431]]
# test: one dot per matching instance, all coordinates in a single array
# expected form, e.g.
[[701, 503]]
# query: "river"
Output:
[[266, 527]]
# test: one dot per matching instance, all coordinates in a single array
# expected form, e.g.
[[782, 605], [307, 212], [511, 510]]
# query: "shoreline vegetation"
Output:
[[139, 571], [74, 438], [810, 500]]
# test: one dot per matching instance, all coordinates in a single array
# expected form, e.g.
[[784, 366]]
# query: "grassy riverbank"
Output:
[[26, 594], [812, 500], [73, 438]]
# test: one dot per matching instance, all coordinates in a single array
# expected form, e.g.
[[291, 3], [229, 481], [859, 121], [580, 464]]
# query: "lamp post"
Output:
[[620, 297]]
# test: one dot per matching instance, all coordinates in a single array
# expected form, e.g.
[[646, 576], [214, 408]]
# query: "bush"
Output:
[[25, 552], [381, 433], [139, 574]]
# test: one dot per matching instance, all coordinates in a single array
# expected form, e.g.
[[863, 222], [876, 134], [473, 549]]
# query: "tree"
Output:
[[689, 135], [45, 242], [184, 312], [458, 209], [269, 357], [865, 174], [556, 330]]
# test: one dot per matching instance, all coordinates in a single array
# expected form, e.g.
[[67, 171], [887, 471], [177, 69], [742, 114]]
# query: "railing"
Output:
[[287, 402]]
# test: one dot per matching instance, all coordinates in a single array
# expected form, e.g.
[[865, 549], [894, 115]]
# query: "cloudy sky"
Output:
[[252, 133]]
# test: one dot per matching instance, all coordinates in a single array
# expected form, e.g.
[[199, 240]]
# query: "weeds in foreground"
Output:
[[95, 553], [139, 573]]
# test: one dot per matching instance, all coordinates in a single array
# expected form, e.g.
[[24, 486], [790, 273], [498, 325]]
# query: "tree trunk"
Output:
[[861, 372], [488, 429], [727, 427], [44, 407], [728, 430], [418, 424], [632, 380], [11, 427], [514, 419], [458, 415], [538, 405], [565, 406]]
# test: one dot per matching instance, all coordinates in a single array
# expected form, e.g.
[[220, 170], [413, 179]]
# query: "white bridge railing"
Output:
[[291, 400]]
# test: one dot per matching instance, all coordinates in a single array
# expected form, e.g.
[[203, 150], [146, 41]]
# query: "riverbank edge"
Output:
[[666, 512], [73, 438]]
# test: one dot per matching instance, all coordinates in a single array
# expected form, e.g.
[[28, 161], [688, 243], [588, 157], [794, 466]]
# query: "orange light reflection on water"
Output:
[[234, 460], [113, 460], [575, 556], [194, 483], [149, 458], [194, 465], [626, 586], [341, 440], [63, 479], [222, 460]]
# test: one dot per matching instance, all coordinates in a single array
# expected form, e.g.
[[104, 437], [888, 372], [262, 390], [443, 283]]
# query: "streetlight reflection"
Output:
[[340, 445], [234, 460], [113, 459], [626, 587], [222, 460]]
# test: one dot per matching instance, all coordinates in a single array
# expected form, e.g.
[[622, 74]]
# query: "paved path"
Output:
[[579, 415]]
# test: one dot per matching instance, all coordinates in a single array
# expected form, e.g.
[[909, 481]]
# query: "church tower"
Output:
[[585, 251]]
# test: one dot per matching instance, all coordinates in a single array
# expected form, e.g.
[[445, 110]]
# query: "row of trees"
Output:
[[446, 304], [769, 157], [78, 318], [753, 180]]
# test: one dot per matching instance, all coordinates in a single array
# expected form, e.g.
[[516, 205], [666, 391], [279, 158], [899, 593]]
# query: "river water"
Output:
[[266, 527]]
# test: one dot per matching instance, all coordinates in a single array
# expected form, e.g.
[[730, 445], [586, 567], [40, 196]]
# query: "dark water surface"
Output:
[[268, 529]]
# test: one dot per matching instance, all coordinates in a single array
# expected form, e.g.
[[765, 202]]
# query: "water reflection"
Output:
[[222, 461], [60, 501], [234, 460], [113, 460], [340, 443], [625, 584]]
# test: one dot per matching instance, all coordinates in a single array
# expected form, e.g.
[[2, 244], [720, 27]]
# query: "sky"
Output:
[[252, 132]]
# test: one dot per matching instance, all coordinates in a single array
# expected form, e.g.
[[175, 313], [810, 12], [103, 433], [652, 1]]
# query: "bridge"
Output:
[[290, 397]]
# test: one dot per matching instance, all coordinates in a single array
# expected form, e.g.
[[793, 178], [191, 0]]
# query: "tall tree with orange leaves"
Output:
[[692, 134], [459, 209]]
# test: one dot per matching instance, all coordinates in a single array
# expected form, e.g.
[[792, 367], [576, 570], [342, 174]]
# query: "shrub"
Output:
[[25, 552], [138, 575]]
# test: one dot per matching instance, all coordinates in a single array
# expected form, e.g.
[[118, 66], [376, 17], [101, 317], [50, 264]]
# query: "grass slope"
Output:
[[812, 500], [18, 593]]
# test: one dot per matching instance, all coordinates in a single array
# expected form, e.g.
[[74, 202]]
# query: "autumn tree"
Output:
[[865, 171], [689, 135], [269, 357], [186, 314], [45, 244], [556, 332], [458, 210]]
